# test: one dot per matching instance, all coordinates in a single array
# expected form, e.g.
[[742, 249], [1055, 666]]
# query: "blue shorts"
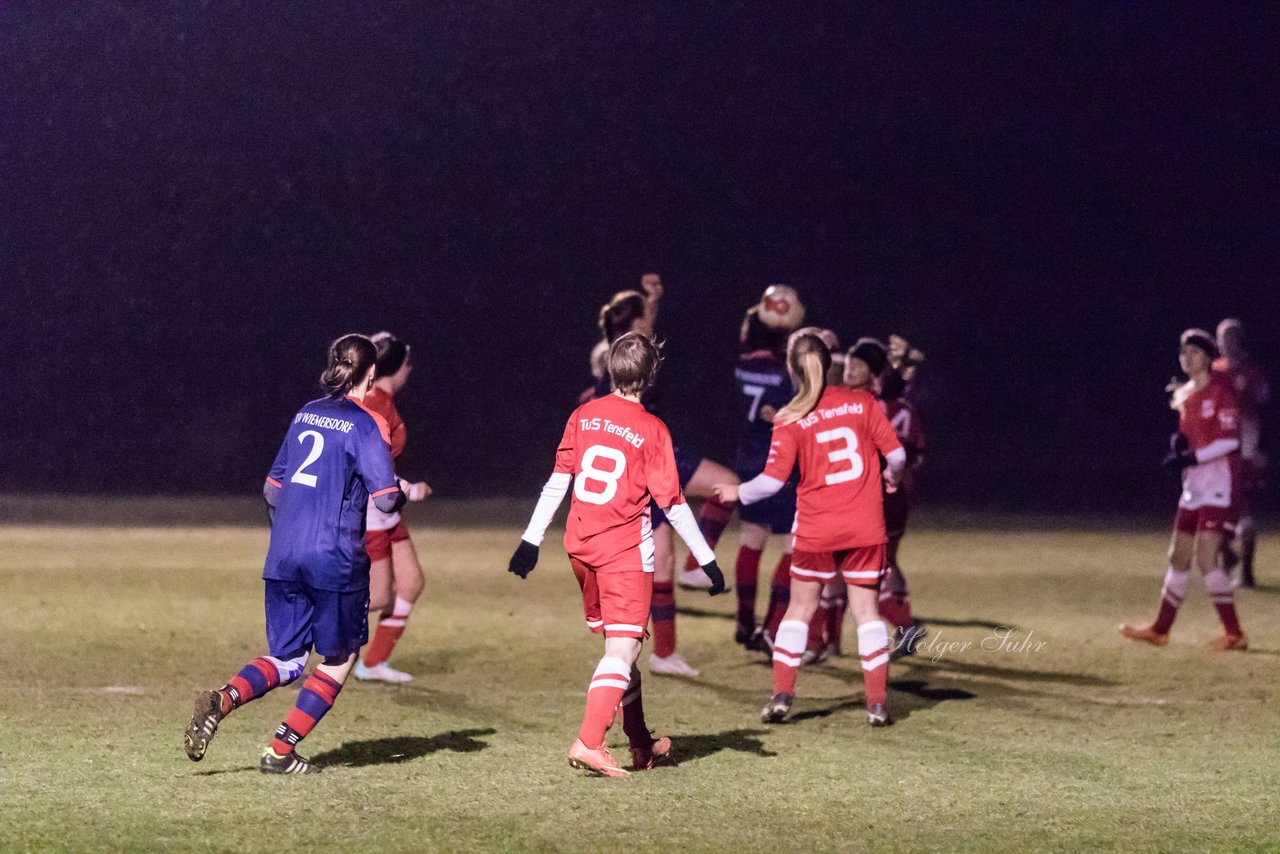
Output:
[[687, 461], [777, 512], [300, 617]]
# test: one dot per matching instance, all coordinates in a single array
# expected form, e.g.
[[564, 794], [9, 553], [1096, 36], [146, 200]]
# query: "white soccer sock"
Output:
[[790, 643], [873, 644]]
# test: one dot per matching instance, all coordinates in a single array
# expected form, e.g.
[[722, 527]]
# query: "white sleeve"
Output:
[[759, 488], [681, 518], [897, 461], [1215, 449], [552, 494]]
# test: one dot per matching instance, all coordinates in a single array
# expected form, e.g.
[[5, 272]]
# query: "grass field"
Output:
[[1086, 741]]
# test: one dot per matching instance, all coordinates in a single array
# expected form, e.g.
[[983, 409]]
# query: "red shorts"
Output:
[[860, 567], [1216, 520], [616, 604], [378, 543]]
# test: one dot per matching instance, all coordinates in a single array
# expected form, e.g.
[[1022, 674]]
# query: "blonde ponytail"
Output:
[[809, 360]]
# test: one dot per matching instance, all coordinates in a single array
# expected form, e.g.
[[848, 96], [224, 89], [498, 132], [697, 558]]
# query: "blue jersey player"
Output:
[[334, 458], [764, 387]]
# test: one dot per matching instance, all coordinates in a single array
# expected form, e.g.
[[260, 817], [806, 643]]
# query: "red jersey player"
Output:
[[835, 435], [1253, 394], [1205, 453], [619, 459]]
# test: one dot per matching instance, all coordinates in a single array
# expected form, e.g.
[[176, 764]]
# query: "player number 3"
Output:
[[591, 474], [848, 452]]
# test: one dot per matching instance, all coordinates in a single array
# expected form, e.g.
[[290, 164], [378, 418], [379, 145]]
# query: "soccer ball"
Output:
[[781, 309]]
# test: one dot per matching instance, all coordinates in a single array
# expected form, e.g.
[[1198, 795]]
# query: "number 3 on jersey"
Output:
[[848, 452], [590, 474], [301, 476]]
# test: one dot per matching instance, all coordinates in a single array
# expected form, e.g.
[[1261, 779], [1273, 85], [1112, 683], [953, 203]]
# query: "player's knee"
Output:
[[289, 668]]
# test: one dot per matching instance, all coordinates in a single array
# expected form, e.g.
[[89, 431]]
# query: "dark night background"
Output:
[[197, 197]]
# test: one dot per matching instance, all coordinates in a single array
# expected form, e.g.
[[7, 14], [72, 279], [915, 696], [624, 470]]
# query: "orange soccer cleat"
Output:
[[599, 762], [1229, 643], [1145, 632], [642, 757]]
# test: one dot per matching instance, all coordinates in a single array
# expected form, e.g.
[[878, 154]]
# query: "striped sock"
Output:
[[663, 613], [713, 518], [1171, 596], [1218, 583], [873, 649], [316, 698], [788, 646], [779, 595], [255, 679], [633, 723], [608, 685], [388, 633], [746, 573]]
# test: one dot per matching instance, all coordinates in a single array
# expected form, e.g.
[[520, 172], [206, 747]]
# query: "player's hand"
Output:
[[524, 559], [717, 578], [767, 413], [1174, 461], [418, 491], [726, 493]]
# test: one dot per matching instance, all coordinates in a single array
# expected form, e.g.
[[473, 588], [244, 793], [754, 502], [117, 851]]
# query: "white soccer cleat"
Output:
[[694, 579], [380, 673], [672, 665]]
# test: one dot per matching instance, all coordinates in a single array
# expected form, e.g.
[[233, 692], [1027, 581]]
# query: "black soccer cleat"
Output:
[[776, 709], [204, 724], [877, 715], [290, 763]]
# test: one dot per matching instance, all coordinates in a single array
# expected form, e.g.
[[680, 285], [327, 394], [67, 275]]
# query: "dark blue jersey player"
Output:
[[335, 457]]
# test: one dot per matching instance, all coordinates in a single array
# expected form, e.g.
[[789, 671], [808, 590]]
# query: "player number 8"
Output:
[[608, 477]]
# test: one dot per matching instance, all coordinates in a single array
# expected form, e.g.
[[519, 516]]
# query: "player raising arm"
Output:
[[619, 458], [334, 458], [835, 435]]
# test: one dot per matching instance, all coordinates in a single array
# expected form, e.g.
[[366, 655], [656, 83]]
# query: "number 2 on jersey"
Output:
[[591, 474], [317, 446], [848, 452]]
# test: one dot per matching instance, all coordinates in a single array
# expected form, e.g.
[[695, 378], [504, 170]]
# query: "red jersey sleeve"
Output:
[[882, 433], [1226, 421], [782, 452], [660, 471], [566, 458]]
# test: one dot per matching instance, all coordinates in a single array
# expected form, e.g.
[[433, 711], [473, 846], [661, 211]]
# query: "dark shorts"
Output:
[[897, 507], [777, 512], [300, 618], [687, 462]]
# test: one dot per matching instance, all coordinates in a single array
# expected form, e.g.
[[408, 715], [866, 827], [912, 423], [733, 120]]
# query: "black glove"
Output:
[[717, 578], [524, 560], [1180, 454]]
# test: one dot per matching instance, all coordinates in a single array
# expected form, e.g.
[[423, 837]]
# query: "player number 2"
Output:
[[317, 446], [848, 452], [591, 474]]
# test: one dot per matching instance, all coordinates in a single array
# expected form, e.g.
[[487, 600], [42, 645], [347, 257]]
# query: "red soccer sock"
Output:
[[1171, 596], [713, 517], [1218, 584], [256, 678], [746, 573], [873, 649], [788, 647], [633, 723], [817, 638], [608, 685], [315, 700], [779, 595], [387, 635], [663, 613]]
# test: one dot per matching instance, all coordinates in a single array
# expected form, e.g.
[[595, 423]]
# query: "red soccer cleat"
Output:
[[599, 762], [1229, 643], [642, 757], [1144, 632]]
